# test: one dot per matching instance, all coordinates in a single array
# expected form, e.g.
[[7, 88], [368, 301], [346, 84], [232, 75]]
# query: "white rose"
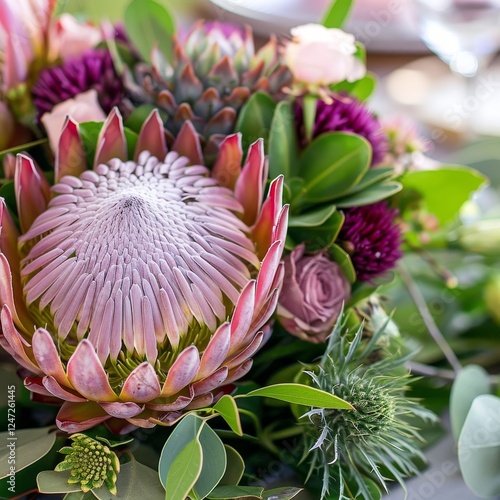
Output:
[[322, 56]]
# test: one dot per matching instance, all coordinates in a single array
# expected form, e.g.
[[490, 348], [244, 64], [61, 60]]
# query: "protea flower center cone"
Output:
[[139, 289]]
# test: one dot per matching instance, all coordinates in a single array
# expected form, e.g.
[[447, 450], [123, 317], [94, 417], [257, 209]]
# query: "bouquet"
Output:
[[194, 233]]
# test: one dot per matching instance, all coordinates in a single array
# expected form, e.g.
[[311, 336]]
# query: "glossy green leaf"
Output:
[[373, 176], [227, 409], [235, 467], [283, 148], [286, 493], [8, 193], [312, 218], [337, 14], [361, 89], [471, 381], [444, 190], [301, 394], [479, 447], [332, 164], [255, 118], [309, 104], [184, 471], [136, 119], [30, 446], [149, 25], [372, 194], [135, 481], [51, 482], [214, 462], [231, 492], [342, 258]]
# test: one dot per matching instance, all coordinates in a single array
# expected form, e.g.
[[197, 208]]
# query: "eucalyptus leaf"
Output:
[[231, 492], [51, 482], [227, 409], [479, 446], [235, 467], [337, 14], [30, 446], [470, 382], [149, 25], [255, 118], [300, 394], [286, 493], [445, 189], [332, 164], [283, 147], [135, 481], [79, 495]]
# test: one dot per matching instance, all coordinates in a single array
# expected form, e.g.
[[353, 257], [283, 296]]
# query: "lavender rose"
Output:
[[314, 289]]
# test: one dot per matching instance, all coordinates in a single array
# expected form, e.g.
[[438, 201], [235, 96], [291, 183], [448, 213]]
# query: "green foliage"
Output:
[[226, 407], [150, 25], [337, 14], [360, 89]]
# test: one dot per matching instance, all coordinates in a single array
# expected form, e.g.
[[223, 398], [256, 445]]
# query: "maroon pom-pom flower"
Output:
[[373, 238]]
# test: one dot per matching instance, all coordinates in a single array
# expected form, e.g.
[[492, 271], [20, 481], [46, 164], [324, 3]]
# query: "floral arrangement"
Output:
[[193, 237]]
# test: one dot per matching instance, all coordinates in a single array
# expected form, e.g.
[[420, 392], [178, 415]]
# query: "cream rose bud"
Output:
[[314, 290], [322, 56]]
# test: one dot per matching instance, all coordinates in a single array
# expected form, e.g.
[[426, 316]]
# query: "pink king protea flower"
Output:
[[139, 289]]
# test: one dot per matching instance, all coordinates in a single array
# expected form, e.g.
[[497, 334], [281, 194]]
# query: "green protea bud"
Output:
[[91, 463]]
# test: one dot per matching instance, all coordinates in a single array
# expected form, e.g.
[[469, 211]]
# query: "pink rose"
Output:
[[83, 108], [321, 56], [69, 38], [314, 290]]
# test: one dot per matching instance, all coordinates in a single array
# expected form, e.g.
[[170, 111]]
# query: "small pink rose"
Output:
[[314, 290], [321, 56], [83, 108], [69, 38]]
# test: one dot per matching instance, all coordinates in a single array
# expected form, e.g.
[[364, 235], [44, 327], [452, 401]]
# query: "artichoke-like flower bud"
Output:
[[91, 463], [214, 72], [140, 288]]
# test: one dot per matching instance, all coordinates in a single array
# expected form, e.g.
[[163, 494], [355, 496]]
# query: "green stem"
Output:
[[286, 433]]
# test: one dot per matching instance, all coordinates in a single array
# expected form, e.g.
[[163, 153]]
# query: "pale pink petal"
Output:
[[111, 142], [70, 155], [182, 372], [55, 389], [47, 357], [142, 385], [78, 417], [216, 351], [211, 382], [122, 410]]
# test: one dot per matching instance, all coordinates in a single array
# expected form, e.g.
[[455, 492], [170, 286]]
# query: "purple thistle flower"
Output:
[[94, 69], [372, 238], [345, 114]]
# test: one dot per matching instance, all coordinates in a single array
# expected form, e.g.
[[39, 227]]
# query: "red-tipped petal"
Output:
[[47, 357], [216, 351], [87, 375], [252, 175], [247, 353], [9, 166], [78, 417], [267, 273], [243, 316], [201, 401], [182, 372], [122, 410], [240, 371], [32, 191], [212, 382], [180, 403], [262, 232], [142, 385], [111, 142], [227, 167], [188, 144], [8, 236], [55, 389], [152, 137], [70, 154]]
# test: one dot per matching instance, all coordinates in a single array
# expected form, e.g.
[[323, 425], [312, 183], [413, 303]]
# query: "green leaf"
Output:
[[214, 462], [51, 482], [479, 447], [255, 118], [309, 104], [114, 443], [312, 218], [8, 193], [184, 471], [230, 492], [186, 431], [283, 147], [300, 394], [342, 258], [373, 176], [336, 15], [470, 382], [235, 467], [149, 25], [445, 189], [89, 133], [372, 194], [23, 147], [30, 446], [79, 495], [332, 164], [360, 89], [135, 481], [286, 493], [136, 119], [227, 409]]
